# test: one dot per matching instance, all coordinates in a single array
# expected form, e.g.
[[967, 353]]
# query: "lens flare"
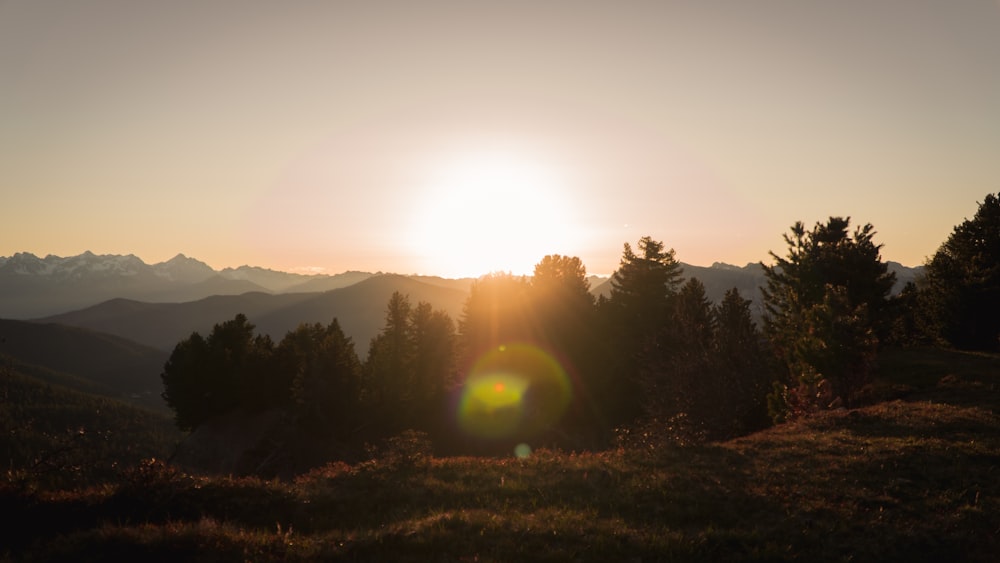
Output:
[[514, 390]]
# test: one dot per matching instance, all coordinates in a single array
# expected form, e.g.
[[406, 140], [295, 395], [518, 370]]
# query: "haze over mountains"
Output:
[[32, 287], [158, 305], [106, 324], [360, 309]]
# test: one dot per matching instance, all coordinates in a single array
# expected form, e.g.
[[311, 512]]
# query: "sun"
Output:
[[491, 211]]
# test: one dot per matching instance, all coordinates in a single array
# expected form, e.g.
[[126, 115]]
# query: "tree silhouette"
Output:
[[388, 377], [744, 372], [566, 322], [432, 336], [230, 369], [962, 281], [184, 377], [633, 318], [643, 285], [496, 312], [410, 366], [826, 302], [326, 385]]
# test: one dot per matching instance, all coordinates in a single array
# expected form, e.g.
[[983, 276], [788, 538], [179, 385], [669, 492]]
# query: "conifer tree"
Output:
[[326, 385], [206, 377], [826, 302], [961, 289], [388, 370], [634, 318], [643, 285], [410, 366]]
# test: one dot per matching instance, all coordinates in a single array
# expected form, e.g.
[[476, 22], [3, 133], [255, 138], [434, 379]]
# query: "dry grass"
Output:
[[915, 478]]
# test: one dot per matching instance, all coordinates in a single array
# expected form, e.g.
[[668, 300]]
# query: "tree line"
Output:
[[652, 361]]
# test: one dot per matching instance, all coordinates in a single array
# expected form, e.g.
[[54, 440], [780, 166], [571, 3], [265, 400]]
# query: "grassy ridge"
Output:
[[54, 436], [912, 478]]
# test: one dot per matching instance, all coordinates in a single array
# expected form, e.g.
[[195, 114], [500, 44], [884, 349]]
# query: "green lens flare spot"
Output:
[[513, 390]]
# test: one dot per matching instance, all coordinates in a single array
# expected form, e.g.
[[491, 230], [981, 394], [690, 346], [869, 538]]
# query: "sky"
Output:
[[459, 138]]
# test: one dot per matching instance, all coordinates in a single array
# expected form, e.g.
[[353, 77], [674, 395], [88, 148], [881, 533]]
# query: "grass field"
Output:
[[914, 476]]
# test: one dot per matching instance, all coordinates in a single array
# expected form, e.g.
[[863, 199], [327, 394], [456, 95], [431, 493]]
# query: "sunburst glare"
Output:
[[491, 211]]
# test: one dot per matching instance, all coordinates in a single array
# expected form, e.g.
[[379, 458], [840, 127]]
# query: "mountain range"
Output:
[[105, 324], [359, 308], [32, 287], [158, 305]]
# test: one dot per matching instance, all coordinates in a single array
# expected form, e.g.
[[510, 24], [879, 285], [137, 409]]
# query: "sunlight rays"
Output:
[[491, 211]]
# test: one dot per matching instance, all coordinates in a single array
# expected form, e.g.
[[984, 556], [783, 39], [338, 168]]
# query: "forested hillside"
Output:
[[86, 360], [855, 422], [908, 477], [54, 436]]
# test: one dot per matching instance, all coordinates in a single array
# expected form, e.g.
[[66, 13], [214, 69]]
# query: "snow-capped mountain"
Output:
[[180, 268], [32, 287], [77, 267]]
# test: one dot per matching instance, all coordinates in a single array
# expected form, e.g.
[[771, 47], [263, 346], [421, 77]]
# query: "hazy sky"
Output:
[[461, 137]]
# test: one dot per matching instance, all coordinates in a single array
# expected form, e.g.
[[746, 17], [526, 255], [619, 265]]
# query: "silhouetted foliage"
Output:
[[566, 324], [912, 322], [560, 283], [826, 304], [643, 285], [656, 357], [709, 380], [961, 289], [745, 372], [432, 333], [326, 377], [634, 317], [410, 367], [496, 312], [205, 377], [185, 383], [675, 370], [388, 376]]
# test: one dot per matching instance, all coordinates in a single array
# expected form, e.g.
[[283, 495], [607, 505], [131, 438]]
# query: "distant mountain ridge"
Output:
[[359, 308], [33, 287]]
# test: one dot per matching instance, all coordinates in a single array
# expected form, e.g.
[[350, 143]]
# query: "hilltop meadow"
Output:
[[912, 475], [648, 425]]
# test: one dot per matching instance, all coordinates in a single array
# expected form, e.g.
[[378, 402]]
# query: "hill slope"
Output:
[[111, 365], [910, 479], [52, 435], [360, 308]]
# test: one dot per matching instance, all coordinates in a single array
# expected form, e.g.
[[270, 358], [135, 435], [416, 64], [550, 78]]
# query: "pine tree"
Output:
[[326, 386], [565, 313], [206, 377], [410, 366], [643, 285], [744, 371], [826, 303], [388, 369], [961, 289], [496, 312], [432, 336], [634, 318]]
